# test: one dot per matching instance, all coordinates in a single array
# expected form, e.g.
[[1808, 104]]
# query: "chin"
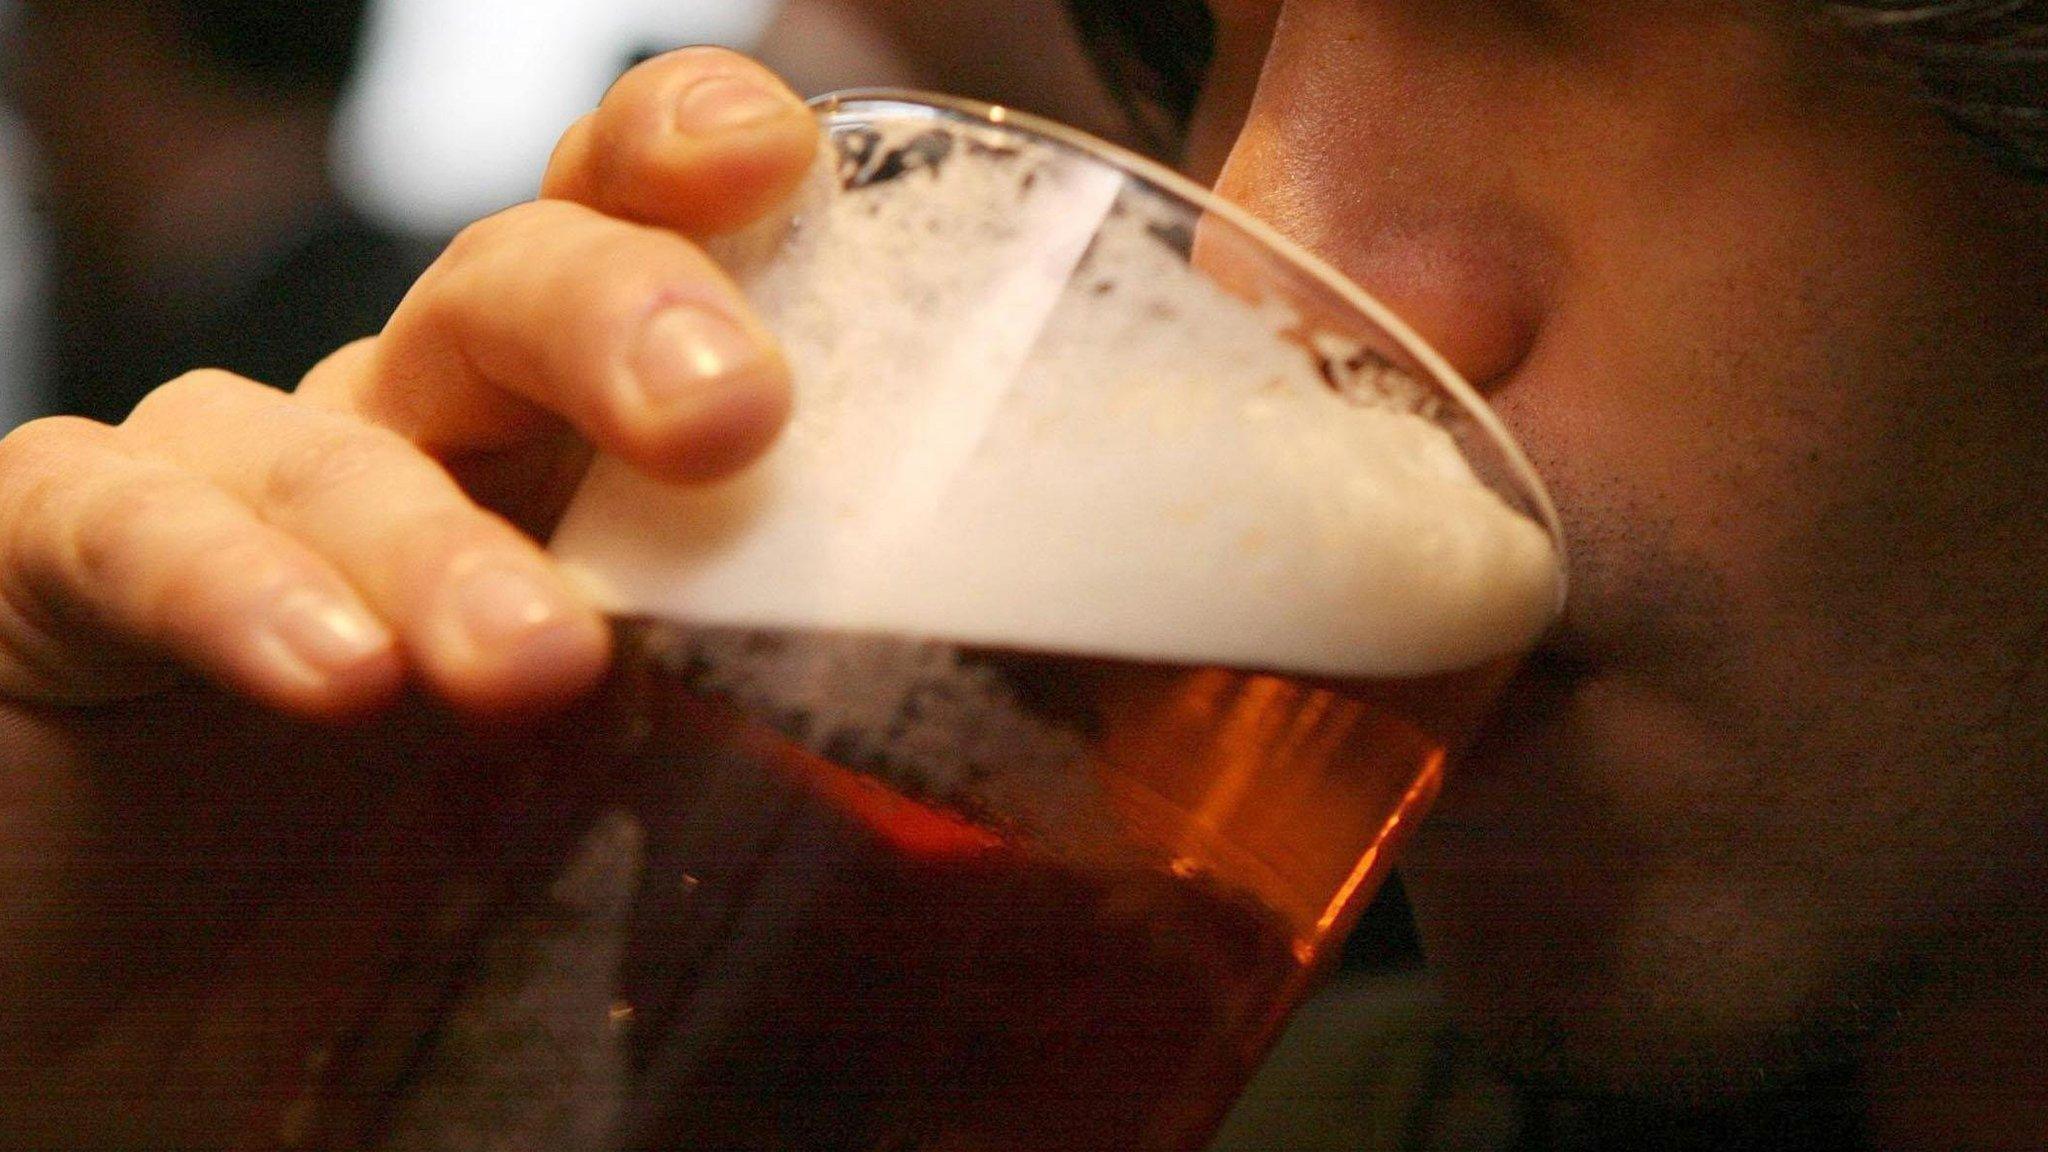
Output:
[[1594, 951], [1612, 1053], [1630, 1088], [1576, 981]]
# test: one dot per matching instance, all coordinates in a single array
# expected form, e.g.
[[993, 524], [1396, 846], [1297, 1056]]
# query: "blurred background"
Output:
[[249, 184], [459, 102]]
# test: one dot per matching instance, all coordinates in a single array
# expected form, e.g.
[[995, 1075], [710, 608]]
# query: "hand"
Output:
[[312, 550], [202, 872]]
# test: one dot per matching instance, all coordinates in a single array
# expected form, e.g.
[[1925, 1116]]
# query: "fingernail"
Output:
[[501, 606], [684, 348], [325, 634], [723, 102]]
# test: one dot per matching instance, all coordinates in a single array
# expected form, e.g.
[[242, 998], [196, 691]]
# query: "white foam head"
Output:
[[1024, 420]]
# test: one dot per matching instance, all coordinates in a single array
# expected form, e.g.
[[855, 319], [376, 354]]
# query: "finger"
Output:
[[113, 566], [554, 311], [701, 140], [529, 479], [479, 611]]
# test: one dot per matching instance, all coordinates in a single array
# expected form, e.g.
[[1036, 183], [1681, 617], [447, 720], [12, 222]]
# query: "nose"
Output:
[[1380, 167]]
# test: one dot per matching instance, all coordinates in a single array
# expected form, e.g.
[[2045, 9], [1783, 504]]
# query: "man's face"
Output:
[[1775, 334]]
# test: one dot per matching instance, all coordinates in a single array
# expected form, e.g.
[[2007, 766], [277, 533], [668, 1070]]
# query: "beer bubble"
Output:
[[932, 721]]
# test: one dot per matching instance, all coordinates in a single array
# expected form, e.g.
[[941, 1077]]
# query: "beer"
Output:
[[868, 938], [1014, 740]]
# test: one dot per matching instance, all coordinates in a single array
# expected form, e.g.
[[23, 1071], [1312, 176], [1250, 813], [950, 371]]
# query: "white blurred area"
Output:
[[459, 101], [455, 107]]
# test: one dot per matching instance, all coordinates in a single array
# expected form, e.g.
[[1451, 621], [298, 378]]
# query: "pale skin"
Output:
[[1775, 334]]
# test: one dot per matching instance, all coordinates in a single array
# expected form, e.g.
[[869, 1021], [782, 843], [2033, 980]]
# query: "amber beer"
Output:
[[873, 941], [1015, 738]]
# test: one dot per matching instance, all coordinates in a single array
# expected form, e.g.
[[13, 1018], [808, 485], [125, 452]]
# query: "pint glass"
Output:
[[1006, 751]]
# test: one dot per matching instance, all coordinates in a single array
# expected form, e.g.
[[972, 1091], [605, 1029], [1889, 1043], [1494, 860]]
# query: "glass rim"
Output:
[[1165, 179]]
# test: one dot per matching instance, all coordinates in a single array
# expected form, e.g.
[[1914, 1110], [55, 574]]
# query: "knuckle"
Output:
[[40, 464], [513, 227], [463, 247], [319, 470], [477, 243], [34, 445], [567, 174], [337, 373], [111, 528], [28, 560], [201, 394], [555, 262], [192, 585], [486, 260]]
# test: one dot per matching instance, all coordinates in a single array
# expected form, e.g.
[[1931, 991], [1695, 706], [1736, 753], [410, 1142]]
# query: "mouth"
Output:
[[1539, 689], [1506, 774]]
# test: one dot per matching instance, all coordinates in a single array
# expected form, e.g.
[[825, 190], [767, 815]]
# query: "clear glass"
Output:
[[997, 763]]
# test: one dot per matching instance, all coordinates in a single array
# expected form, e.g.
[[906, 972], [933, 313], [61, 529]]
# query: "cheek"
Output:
[[1730, 361]]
